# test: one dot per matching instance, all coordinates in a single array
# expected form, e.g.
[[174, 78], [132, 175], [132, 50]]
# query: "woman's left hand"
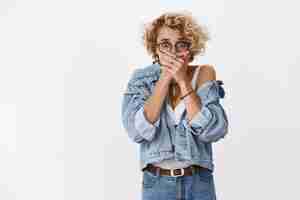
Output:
[[176, 65]]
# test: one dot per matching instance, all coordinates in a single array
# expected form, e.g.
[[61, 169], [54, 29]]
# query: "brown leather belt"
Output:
[[188, 171]]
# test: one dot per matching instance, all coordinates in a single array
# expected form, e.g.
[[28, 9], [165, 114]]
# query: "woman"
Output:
[[172, 110]]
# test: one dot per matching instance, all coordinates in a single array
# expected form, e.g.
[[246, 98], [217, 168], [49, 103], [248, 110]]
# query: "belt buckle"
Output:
[[175, 175]]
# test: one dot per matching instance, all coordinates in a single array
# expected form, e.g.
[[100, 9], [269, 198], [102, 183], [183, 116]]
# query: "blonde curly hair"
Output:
[[181, 21]]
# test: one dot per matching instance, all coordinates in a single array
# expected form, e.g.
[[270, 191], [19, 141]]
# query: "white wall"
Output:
[[65, 64]]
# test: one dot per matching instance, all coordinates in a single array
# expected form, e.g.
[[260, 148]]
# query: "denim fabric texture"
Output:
[[199, 186], [190, 141]]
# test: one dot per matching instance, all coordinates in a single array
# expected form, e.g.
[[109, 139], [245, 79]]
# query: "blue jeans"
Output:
[[199, 186]]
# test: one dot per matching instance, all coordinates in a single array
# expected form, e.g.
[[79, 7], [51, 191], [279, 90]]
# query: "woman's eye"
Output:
[[182, 44], [166, 45]]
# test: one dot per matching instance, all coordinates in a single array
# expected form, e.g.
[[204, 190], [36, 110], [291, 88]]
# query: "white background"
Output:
[[64, 66]]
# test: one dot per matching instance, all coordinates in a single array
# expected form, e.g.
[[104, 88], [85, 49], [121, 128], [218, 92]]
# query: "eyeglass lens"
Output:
[[179, 46]]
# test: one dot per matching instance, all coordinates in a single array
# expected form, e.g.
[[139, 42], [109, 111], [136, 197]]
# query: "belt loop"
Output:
[[193, 169]]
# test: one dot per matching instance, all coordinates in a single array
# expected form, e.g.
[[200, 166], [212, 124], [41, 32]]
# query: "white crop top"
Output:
[[176, 115]]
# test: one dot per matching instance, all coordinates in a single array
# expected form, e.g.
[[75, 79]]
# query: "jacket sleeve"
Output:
[[211, 123], [138, 128]]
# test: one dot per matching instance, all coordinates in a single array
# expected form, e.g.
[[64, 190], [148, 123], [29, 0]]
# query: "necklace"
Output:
[[174, 91]]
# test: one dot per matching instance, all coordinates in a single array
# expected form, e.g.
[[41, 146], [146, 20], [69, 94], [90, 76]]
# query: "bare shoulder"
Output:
[[206, 72]]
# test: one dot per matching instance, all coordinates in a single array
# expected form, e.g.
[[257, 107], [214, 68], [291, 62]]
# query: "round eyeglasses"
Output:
[[180, 46]]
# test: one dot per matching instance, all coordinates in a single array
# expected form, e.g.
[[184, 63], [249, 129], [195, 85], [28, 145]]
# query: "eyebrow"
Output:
[[164, 39], [179, 39]]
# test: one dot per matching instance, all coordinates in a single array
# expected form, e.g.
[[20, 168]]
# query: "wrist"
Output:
[[186, 94], [164, 81]]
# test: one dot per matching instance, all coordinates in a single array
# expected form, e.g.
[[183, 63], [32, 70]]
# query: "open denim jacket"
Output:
[[163, 140]]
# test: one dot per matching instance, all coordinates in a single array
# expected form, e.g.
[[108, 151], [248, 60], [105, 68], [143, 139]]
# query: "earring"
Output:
[[156, 59]]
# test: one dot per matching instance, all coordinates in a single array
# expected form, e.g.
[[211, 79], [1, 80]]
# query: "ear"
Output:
[[206, 73]]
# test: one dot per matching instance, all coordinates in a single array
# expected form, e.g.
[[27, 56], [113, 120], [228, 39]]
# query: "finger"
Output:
[[168, 53], [167, 61], [169, 69], [184, 55], [171, 62], [178, 60], [172, 56], [170, 65]]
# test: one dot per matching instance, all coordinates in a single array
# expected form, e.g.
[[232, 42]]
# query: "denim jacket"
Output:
[[161, 140]]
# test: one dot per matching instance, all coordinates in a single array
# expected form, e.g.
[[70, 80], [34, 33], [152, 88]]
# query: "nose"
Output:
[[173, 51], [183, 55]]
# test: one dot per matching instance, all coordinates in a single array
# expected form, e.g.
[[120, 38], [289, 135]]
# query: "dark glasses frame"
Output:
[[161, 48]]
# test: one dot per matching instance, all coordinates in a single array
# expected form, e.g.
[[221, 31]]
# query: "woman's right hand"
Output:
[[165, 60]]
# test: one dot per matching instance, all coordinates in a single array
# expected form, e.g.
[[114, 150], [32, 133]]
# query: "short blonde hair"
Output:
[[181, 21]]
